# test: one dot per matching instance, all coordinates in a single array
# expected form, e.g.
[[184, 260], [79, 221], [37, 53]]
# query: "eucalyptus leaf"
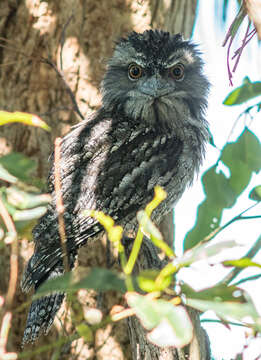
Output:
[[255, 193], [22, 117], [170, 324], [243, 93], [228, 310], [30, 214], [98, 279], [241, 263], [24, 200], [85, 332], [175, 328], [18, 165], [220, 292], [6, 176], [243, 158], [202, 252], [246, 150]]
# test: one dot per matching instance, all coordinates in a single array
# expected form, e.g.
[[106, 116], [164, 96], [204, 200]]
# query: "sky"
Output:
[[209, 32]]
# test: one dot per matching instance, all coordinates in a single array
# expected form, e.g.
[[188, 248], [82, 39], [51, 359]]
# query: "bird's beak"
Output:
[[155, 87]]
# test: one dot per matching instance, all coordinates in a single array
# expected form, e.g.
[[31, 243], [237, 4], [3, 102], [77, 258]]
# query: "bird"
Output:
[[150, 129]]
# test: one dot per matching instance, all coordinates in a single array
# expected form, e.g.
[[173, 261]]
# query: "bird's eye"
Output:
[[134, 71], [177, 71]]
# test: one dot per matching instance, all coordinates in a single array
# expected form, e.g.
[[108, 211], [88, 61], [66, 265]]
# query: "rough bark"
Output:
[[82, 31]]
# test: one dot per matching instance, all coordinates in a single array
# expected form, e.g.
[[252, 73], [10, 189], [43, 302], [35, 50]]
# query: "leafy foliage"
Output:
[[243, 93], [170, 324], [242, 158], [97, 279], [24, 118]]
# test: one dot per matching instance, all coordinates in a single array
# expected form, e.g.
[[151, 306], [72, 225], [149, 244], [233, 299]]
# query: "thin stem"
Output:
[[251, 34], [123, 261], [249, 278], [5, 327], [67, 87], [250, 254], [159, 196], [222, 323], [242, 47], [134, 252], [14, 254], [236, 218]]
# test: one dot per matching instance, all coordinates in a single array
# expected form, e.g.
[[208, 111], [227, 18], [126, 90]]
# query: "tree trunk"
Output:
[[77, 37]]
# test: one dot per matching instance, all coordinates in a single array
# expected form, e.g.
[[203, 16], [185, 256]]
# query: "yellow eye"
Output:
[[177, 71], [134, 71]]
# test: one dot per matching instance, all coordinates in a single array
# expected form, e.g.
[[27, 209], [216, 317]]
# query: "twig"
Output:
[[230, 36], [59, 201], [14, 254], [240, 50], [222, 323], [250, 254], [67, 87], [249, 278], [248, 38], [6, 324], [234, 219]]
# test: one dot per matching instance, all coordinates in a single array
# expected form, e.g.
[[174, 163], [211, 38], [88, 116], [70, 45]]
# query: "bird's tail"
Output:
[[41, 316], [44, 309]]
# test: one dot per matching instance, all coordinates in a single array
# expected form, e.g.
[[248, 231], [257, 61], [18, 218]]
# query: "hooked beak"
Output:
[[155, 87]]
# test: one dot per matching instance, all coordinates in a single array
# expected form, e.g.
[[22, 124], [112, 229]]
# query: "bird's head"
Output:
[[156, 78]]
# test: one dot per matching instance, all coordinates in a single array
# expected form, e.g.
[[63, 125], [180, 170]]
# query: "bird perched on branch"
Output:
[[150, 130]]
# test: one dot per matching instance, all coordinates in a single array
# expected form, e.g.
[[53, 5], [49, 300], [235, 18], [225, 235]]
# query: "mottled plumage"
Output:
[[149, 130]]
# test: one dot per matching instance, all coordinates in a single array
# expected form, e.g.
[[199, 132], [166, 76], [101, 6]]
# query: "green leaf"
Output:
[[24, 200], [218, 196], [18, 165], [146, 281], [201, 252], [31, 214], [85, 332], [227, 310], [243, 93], [10, 208], [97, 279], [145, 309], [242, 157], [22, 117], [170, 324], [175, 328], [217, 189], [255, 193], [241, 263], [6, 176], [217, 293]]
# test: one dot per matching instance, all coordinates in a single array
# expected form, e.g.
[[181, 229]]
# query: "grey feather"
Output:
[[149, 131]]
